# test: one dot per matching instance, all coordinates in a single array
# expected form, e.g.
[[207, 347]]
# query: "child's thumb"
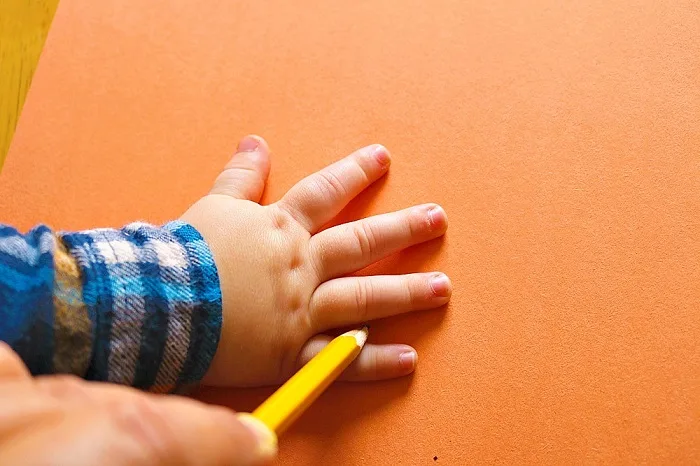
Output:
[[245, 174]]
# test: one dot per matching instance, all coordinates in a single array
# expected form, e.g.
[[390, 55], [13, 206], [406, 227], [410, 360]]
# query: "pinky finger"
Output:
[[375, 362]]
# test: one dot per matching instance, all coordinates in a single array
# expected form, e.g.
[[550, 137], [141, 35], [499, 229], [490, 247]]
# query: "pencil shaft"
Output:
[[296, 395]]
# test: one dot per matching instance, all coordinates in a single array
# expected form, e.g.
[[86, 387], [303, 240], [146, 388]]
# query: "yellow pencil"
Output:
[[288, 403]]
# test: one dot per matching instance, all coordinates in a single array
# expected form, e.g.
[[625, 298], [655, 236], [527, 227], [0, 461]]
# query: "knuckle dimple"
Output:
[[279, 219]]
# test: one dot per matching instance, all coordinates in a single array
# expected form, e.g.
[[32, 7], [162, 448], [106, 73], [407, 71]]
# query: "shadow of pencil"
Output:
[[343, 406], [349, 403]]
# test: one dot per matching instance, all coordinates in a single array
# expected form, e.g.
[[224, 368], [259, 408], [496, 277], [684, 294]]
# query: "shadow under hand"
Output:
[[340, 408]]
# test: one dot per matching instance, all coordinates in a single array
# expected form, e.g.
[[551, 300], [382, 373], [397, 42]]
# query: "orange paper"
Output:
[[562, 138]]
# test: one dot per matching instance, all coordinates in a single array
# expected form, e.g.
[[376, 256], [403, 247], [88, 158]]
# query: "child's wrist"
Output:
[[154, 300]]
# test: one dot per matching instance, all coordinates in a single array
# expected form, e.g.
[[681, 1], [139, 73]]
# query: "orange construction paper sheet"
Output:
[[562, 138]]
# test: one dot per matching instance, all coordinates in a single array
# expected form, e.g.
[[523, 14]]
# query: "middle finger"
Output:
[[350, 247], [353, 300]]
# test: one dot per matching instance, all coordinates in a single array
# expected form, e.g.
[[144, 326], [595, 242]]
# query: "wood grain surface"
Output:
[[24, 25]]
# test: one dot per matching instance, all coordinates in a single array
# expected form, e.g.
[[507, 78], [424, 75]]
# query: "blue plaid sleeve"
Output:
[[139, 306], [26, 284], [154, 297]]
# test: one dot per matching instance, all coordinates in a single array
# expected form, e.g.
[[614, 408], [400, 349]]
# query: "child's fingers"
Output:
[[350, 247], [245, 175], [353, 300], [375, 362], [318, 198], [11, 366]]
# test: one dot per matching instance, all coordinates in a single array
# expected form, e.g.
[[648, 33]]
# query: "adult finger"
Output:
[[245, 174], [352, 246], [68, 389], [142, 431], [21, 407], [11, 365], [375, 362], [23, 401], [353, 300], [318, 198]]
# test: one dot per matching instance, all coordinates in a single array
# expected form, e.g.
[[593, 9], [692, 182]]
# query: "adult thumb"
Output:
[[11, 366], [121, 429], [245, 174], [207, 435]]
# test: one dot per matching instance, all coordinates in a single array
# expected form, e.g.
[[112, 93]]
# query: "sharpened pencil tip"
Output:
[[359, 335]]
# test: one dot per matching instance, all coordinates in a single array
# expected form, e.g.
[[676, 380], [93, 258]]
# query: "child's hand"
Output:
[[281, 279]]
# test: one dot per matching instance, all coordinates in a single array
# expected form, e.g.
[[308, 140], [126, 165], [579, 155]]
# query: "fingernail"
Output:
[[381, 154], [267, 440], [248, 144], [440, 285], [407, 360], [438, 217]]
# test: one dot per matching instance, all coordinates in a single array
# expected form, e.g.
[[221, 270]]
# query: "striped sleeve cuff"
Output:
[[152, 297], [26, 281]]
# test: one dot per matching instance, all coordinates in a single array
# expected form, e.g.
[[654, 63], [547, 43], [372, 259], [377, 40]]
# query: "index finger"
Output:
[[318, 198]]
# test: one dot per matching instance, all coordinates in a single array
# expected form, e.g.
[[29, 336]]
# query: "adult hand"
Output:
[[64, 420]]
